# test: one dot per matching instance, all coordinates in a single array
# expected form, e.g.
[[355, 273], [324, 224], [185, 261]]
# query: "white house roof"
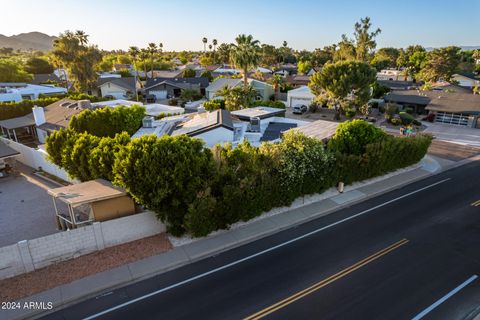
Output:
[[157, 109], [115, 103], [302, 91], [260, 112], [222, 82]]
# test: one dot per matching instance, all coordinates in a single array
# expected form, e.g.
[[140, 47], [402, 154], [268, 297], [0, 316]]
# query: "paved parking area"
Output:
[[26, 210], [457, 134]]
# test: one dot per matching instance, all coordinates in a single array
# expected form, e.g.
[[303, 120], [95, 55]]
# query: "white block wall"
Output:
[[29, 255], [131, 228], [37, 158]]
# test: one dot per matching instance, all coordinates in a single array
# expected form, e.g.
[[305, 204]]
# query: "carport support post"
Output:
[[15, 135]]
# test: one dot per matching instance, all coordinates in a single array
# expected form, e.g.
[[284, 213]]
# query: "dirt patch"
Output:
[[67, 271]]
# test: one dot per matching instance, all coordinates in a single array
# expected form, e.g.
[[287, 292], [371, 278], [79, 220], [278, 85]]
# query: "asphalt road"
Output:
[[394, 261]]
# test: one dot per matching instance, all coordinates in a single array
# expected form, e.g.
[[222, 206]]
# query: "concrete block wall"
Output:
[[11, 262], [131, 228], [37, 158], [29, 255]]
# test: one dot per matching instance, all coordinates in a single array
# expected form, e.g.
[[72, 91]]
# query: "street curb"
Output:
[[188, 260]]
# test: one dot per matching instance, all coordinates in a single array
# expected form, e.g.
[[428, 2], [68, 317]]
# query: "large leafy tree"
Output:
[[344, 84], [365, 39], [245, 54], [441, 64], [385, 58], [72, 51], [276, 81], [11, 71], [158, 173], [237, 97], [38, 66], [412, 60]]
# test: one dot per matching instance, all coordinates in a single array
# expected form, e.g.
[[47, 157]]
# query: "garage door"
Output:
[[299, 101], [458, 119], [159, 94]]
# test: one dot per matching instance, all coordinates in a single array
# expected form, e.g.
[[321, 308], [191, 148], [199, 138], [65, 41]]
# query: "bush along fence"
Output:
[[197, 190]]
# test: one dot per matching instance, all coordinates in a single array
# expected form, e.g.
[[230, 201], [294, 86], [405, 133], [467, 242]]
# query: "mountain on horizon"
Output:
[[28, 41]]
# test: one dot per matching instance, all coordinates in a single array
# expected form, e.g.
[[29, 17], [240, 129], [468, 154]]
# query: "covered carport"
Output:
[[20, 129], [7, 159], [95, 200]]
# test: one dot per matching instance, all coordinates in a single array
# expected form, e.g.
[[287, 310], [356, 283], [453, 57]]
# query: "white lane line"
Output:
[[258, 253], [445, 298]]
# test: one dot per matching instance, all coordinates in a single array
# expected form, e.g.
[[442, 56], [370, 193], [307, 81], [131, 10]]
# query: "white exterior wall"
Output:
[[112, 90], [219, 135], [37, 158], [29, 255]]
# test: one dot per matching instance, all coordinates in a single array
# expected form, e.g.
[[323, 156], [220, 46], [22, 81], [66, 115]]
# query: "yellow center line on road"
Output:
[[285, 302], [476, 203]]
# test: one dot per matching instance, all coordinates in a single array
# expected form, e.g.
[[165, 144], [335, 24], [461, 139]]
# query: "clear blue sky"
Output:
[[304, 24]]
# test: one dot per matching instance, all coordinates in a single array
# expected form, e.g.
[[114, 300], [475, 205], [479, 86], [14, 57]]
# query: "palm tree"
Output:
[[144, 53], [214, 42], [285, 44], [134, 52], [204, 40], [209, 47], [276, 81], [245, 54], [160, 47], [82, 37], [152, 49]]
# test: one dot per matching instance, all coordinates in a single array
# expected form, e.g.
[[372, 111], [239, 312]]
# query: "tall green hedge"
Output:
[[197, 190], [107, 122], [10, 110]]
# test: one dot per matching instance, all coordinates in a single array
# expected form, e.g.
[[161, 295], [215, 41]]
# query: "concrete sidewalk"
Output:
[[94, 285]]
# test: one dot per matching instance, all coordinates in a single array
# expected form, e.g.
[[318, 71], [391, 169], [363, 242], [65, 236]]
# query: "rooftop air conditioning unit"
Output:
[[255, 124], [147, 122]]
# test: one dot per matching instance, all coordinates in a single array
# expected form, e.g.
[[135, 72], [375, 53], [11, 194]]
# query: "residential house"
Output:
[[460, 107], [220, 126], [47, 78], [122, 66], [392, 75], [398, 85], [163, 88], [300, 96], [118, 88], [264, 89], [56, 116], [115, 103], [285, 70], [165, 74], [16, 92], [468, 80]]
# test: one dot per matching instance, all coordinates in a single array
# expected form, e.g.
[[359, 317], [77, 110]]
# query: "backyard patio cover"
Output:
[[19, 122], [87, 192]]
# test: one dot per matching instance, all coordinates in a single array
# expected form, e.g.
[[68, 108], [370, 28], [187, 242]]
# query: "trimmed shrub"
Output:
[[406, 118], [351, 137], [268, 103], [165, 175], [214, 105], [107, 122]]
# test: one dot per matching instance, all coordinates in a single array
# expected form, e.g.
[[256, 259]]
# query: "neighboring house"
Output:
[[455, 108], [163, 88], [392, 75], [263, 70], [119, 88], [45, 78], [220, 126], [286, 70], [264, 89], [102, 75], [468, 80], [122, 66], [312, 71], [213, 127], [56, 116], [16, 92], [398, 85], [165, 74], [461, 108], [300, 96]]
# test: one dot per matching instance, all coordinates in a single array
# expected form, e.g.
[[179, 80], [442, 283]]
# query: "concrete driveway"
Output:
[[457, 134], [26, 210]]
